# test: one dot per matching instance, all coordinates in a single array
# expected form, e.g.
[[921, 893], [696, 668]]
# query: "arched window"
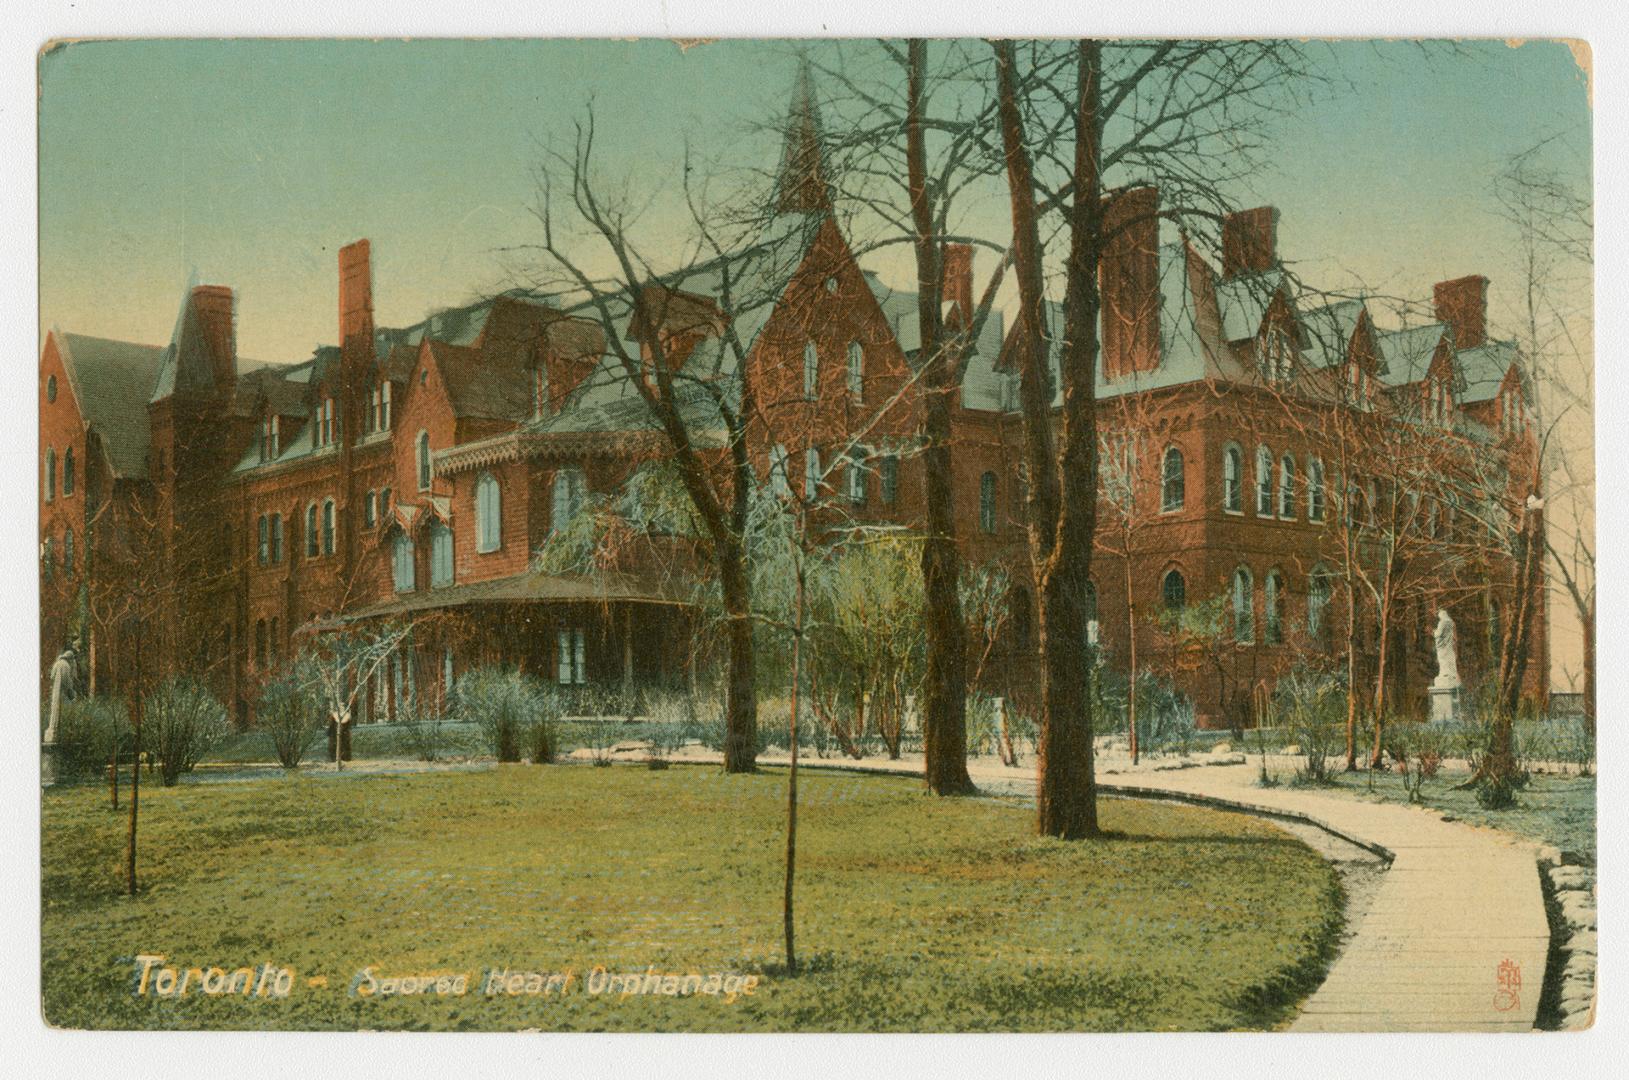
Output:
[[779, 485], [857, 462], [1174, 590], [987, 503], [328, 527], [811, 474], [1173, 485], [811, 371], [441, 555], [1232, 479], [488, 514], [50, 473], [68, 554], [424, 460], [1318, 592], [569, 489], [48, 558], [1286, 487], [1264, 482], [50, 388], [68, 471], [888, 478], [277, 538], [263, 552], [856, 370], [1275, 608], [1315, 489], [311, 539], [401, 562], [1244, 606], [370, 509]]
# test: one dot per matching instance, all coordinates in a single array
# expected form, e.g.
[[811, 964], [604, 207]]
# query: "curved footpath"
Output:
[[1456, 939]]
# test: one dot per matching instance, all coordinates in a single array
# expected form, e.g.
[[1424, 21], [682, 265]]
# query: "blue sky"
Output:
[[250, 162]]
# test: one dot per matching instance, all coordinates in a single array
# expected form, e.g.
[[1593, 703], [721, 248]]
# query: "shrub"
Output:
[[183, 722], [671, 716], [1313, 707], [1417, 749], [502, 703], [421, 731], [88, 730], [290, 714], [542, 732]]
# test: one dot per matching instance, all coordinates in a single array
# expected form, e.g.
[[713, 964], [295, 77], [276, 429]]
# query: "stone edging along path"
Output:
[[1456, 938]]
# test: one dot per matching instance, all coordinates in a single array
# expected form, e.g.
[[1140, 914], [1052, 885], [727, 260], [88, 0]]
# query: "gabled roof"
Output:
[[983, 387], [478, 389], [112, 381], [1326, 332], [1406, 354], [1482, 370], [1244, 299]]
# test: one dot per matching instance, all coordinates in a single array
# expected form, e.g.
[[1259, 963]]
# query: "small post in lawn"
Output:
[[135, 773]]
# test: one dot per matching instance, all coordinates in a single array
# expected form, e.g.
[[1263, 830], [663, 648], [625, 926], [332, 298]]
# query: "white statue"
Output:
[[1447, 653], [62, 689]]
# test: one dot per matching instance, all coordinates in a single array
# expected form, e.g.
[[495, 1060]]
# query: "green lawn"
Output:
[[915, 913]]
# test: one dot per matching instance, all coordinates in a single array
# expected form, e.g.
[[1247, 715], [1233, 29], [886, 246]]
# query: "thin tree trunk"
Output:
[[1131, 685], [740, 695], [1588, 620], [792, 780], [135, 777], [944, 705]]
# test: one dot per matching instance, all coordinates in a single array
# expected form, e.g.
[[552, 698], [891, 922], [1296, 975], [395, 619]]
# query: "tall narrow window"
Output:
[[856, 371], [271, 643], [50, 473], [370, 423], [573, 668], [261, 654], [311, 539], [811, 371], [264, 553], [1275, 608], [1315, 489], [1232, 480], [68, 554], [276, 436], [68, 471], [1173, 482], [1264, 482], [811, 474], [370, 509], [1318, 592], [48, 556], [441, 555], [488, 514], [987, 503], [569, 488], [1174, 591], [328, 527], [1286, 487], [402, 562], [424, 460], [277, 538], [384, 505], [540, 389], [1244, 606], [888, 476], [384, 405], [779, 485], [857, 459]]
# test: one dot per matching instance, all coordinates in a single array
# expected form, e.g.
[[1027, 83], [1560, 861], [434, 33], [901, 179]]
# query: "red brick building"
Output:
[[200, 511]]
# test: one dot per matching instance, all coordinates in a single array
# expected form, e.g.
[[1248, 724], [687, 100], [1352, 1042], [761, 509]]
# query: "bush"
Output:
[[88, 730], [183, 722], [542, 733], [290, 714], [503, 704], [671, 717], [1313, 707], [1417, 749], [421, 732]]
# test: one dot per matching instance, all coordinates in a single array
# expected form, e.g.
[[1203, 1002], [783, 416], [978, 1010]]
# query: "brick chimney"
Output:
[[212, 307], [356, 296], [1249, 241], [1463, 304], [1129, 279], [958, 276]]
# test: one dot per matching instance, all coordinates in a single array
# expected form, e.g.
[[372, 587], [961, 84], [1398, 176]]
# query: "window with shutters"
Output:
[[570, 487], [1173, 481], [573, 657], [402, 563], [856, 371], [811, 371], [328, 527], [441, 555], [1233, 479], [488, 514]]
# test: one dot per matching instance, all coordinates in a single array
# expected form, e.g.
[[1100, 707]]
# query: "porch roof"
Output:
[[531, 586]]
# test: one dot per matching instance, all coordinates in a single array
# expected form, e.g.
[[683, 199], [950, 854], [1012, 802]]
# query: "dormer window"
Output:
[[811, 371], [1273, 355], [1361, 384], [325, 423], [270, 438]]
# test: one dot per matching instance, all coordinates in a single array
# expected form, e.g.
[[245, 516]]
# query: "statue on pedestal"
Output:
[[62, 689], [1445, 687]]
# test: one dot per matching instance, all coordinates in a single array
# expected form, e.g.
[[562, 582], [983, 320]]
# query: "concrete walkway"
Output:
[[1456, 939]]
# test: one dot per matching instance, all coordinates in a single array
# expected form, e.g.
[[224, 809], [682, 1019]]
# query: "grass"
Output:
[[1553, 809], [914, 913]]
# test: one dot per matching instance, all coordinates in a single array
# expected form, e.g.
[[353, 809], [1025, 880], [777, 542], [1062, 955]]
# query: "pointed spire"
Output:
[[802, 186]]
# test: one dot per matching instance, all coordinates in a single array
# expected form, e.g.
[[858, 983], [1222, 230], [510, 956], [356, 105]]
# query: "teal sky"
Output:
[[250, 162]]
